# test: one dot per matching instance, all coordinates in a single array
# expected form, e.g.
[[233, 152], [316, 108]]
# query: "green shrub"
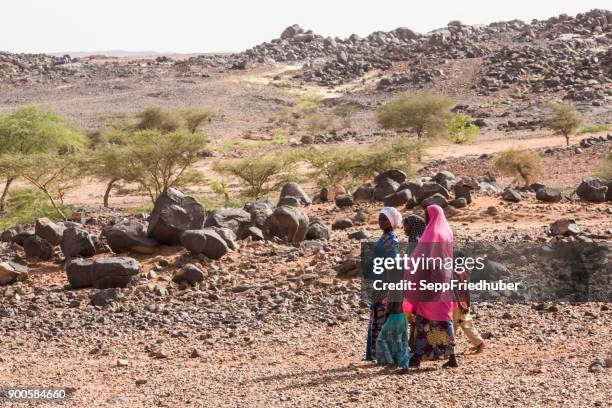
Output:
[[522, 164], [25, 205], [262, 175], [163, 120], [460, 130], [333, 166], [424, 114], [319, 123], [564, 119], [594, 128]]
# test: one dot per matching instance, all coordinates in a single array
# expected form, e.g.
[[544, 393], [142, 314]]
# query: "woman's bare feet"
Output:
[[479, 348]]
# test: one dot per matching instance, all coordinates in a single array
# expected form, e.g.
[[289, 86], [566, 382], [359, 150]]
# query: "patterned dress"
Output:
[[386, 246], [433, 339], [392, 342]]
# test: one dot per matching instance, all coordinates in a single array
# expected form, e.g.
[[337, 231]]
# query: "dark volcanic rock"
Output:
[[105, 297], [363, 194], [437, 199], [548, 195], [77, 241], [129, 236], [173, 214], [235, 219], [204, 241], [294, 190], [37, 247], [398, 199], [592, 190], [342, 223], [115, 272], [260, 210], [317, 230], [344, 201], [512, 195], [564, 226], [190, 273], [287, 223], [50, 231], [429, 189], [385, 187], [394, 174]]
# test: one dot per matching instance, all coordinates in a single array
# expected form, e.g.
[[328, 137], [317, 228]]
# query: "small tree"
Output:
[[163, 120], [424, 114], [160, 160], [53, 174], [113, 164], [564, 120], [522, 164], [261, 175], [460, 130], [221, 187], [31, 131], [400, 153], [194, 118], [333, 166]]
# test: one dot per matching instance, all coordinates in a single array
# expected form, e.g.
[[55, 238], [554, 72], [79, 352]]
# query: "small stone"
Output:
[[196, 353], [122, 363]]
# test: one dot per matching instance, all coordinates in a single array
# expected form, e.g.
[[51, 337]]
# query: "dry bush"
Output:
[[563, 120], [521, 164]]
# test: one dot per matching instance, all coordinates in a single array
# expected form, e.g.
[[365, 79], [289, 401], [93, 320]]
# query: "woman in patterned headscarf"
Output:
[[387, 246]]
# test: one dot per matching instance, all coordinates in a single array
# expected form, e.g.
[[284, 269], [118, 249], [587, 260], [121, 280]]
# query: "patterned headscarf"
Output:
[[394, 216], [416, 225]]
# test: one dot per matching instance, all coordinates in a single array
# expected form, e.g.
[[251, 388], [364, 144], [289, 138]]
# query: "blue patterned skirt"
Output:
[[392, 342]]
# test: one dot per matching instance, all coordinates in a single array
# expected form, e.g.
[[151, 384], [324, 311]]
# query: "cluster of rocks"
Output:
[[593, 22], [573, 68], [417, 76], [394, 189]]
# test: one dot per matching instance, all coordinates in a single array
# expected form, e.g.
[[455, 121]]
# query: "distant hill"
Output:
[[109, 53]]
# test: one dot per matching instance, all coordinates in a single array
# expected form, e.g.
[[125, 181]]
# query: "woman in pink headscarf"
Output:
[[433, 332]]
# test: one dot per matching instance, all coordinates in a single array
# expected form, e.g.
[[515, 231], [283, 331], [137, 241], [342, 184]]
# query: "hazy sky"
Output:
[[232, 25]]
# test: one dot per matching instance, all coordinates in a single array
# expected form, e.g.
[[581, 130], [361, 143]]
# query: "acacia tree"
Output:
[[29, 131], [111, 164], [564, 120], [158, 161], [262, 175], [424, 114], [522, 164], [461, 130], [53, 174]]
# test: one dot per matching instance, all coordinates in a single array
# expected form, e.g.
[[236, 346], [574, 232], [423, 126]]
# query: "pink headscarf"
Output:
[[436, 242], [394, 216]]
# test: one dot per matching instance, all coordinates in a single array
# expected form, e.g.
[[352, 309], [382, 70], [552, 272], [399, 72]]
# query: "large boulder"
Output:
[[260, 210], [398, 199], [317, 230], [115, 272], [228, 236], [289, 200], [385, 187], [173, 214], [592, 190], [37, 247], [291, 32], [50, 231], [463, 191], [205, 241], [548, 195], [344, 201], [363, 194], [330, 193], [437, 199], [235, 219], [394, 174], [511, 195], [413, 185], [287, 223], [294, 190], [11, 272], [429, 189], [444, 178], [21, 235], [129, 235], [77, 241]]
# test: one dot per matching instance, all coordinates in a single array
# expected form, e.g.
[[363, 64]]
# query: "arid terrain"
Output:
[[280, 322]]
